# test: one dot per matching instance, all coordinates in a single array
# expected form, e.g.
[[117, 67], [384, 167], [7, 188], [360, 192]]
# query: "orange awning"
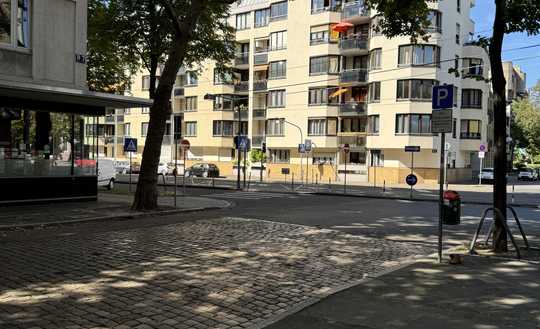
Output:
[[338, 92]]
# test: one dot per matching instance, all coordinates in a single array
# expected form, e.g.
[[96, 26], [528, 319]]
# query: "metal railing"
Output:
[[352, 108], [241, 86], [243, 116], [355, 43], [259, 85], [355, 75]]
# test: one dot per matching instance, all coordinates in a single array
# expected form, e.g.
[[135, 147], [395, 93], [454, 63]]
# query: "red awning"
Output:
[[342, 27]]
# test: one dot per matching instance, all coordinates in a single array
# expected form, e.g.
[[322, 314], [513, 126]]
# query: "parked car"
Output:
[[106, 173], [179, 166], [203, 170], [121, 166], [163, 169], [528, 174], [486, 175]]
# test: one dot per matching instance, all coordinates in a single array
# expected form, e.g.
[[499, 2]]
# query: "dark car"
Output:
[[203, 170]]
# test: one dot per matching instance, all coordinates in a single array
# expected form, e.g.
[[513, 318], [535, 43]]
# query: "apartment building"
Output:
[[516, 88], [320, 70]]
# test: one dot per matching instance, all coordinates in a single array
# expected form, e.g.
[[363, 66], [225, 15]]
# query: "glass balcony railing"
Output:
[[260, 85], [259, 114], [354, 76], [241, 86], [352, 108], [260, 58], [178, 92], [355, 43], [354, 9], [241, 59]]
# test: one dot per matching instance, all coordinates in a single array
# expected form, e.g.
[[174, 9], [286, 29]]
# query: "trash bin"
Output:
[[451, 208]]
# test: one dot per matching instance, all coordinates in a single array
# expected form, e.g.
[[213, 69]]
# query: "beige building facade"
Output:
[[319, 70]]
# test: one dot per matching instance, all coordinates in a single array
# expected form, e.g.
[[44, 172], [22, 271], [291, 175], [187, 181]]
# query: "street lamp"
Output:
[[301, 154], [232, 98]]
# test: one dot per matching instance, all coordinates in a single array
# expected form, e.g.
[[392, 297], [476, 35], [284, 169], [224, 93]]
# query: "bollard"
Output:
[[249, 181], [384, 186], [513, 189], [213, 184], [292, 182], [329, 185]]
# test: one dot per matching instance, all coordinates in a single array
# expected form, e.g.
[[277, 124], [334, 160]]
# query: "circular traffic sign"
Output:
[[482, 147], [185, 144], [411, 180], [346, 148]]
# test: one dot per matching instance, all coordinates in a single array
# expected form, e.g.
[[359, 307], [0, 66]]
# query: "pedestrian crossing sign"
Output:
[[130, 145]]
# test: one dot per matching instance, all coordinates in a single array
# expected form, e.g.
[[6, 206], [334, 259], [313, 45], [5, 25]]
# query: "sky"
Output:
[[483, 15]]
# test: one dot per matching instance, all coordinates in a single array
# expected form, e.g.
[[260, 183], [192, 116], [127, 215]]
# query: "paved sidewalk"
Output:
[[484, 293], [109, 206]]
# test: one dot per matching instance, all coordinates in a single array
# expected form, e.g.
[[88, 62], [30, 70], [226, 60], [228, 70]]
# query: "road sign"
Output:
[[242, 143], [308, 144], [184, 144], [443, 97], [346, 148], [411, 180], [483, 148], [414, 149], [481, 155], [301, 148], [441, 121], [130, 145], [285, 171]]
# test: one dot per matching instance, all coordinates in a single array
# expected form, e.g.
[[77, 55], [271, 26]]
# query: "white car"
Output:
[[163, 169], [106, 173], [528, 174], [122, 167], [486, 175]]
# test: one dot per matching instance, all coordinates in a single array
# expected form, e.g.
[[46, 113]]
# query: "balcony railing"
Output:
[[352, 108], [178, 92], [354, 9], [120, 118], [260, 58], [353, 141], [317, 10], [260, 85], [355, 43], [241, 59], [353, 76], [244, 115], [259, 114], [109, 119], [257, 140], [471, 136], [241, 86]]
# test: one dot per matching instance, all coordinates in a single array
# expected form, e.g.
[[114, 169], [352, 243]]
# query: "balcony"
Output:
[[470, 136], [352, 108], [357, 141], [260, 85], [109, 119], [257, 140], [259, 114], [178, 92], [120, 118], [355, 12], [241, 86], [260, 58], [353, 45], [332, 8], [241, 59], [244, 115], [354, 76]]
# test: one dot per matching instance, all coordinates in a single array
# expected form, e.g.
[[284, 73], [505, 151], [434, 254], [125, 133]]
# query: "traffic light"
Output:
[[263, 147]]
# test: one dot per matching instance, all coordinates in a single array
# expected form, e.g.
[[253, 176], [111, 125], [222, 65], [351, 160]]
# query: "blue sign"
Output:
[[443, 97], [301, 148], [130, 145], [411, 180], [242, 143]]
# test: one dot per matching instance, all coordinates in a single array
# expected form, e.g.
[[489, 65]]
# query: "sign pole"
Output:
[[412, 173], [245, 164], [184, 175], [441, 202], [480, 176], [175, 169], [345, 180], [130, 170]]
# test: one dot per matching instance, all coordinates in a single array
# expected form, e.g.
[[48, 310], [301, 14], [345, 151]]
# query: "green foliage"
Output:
[[526, 126], [257, 156]]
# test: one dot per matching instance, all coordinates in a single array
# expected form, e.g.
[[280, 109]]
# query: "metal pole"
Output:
[[245, 166], [130, 169], [345, 176], [412, 172], [72, 141], [97, 149], [175, 168], [441, 188], [480, 176], [238, 133], [184, 175]]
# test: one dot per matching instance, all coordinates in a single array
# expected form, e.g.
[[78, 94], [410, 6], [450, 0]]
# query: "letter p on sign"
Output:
[[443, 97]]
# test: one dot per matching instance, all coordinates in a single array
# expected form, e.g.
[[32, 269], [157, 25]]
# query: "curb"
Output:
[[31, 226]]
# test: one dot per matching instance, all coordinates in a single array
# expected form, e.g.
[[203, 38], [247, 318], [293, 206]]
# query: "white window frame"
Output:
[[13, 33], [277, 98], [191, 129], [280, 72], [243, 19], [278, 40]]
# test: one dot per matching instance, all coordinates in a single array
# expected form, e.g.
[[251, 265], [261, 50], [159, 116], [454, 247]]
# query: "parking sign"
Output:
[[443, 97]]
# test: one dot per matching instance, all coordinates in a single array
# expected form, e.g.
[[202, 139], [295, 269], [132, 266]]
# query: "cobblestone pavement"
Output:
[[219, 273]]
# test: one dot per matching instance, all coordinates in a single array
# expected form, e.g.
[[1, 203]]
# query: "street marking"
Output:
[[250, 195]]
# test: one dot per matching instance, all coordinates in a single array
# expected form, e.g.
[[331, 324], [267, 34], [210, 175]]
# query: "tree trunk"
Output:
[[146, 196], [500, 239], [153, 77]]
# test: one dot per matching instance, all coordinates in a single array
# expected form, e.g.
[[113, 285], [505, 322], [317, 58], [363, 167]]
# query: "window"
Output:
[[222, 128], [191, 78], [145, 82], [458, 33], [375, 59], [415, 89], [373, 124], [190, 104], [324, 65], [278, 40], [375, 26], [458, 3], [322, 95], [374, 93], [280, 156], [222, 103], [262, 17], [470, 129], [454, 128], [435, 21], [414, 124], [278, 11], [242, 21], [276, 98], [322, 127], [127, 129], [473, 67], [145, 110], [191, 128], [419, 55], [377, 158], [322, 34], [319, 6], [144, 129], [471, 98], [277, 70], [275, 127], [222, 78], [15, 23], [353, 125]]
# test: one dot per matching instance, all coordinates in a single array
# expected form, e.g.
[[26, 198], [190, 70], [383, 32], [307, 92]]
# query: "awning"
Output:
[[260, 67], [342, 27], [22, 95], [338, 92]]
